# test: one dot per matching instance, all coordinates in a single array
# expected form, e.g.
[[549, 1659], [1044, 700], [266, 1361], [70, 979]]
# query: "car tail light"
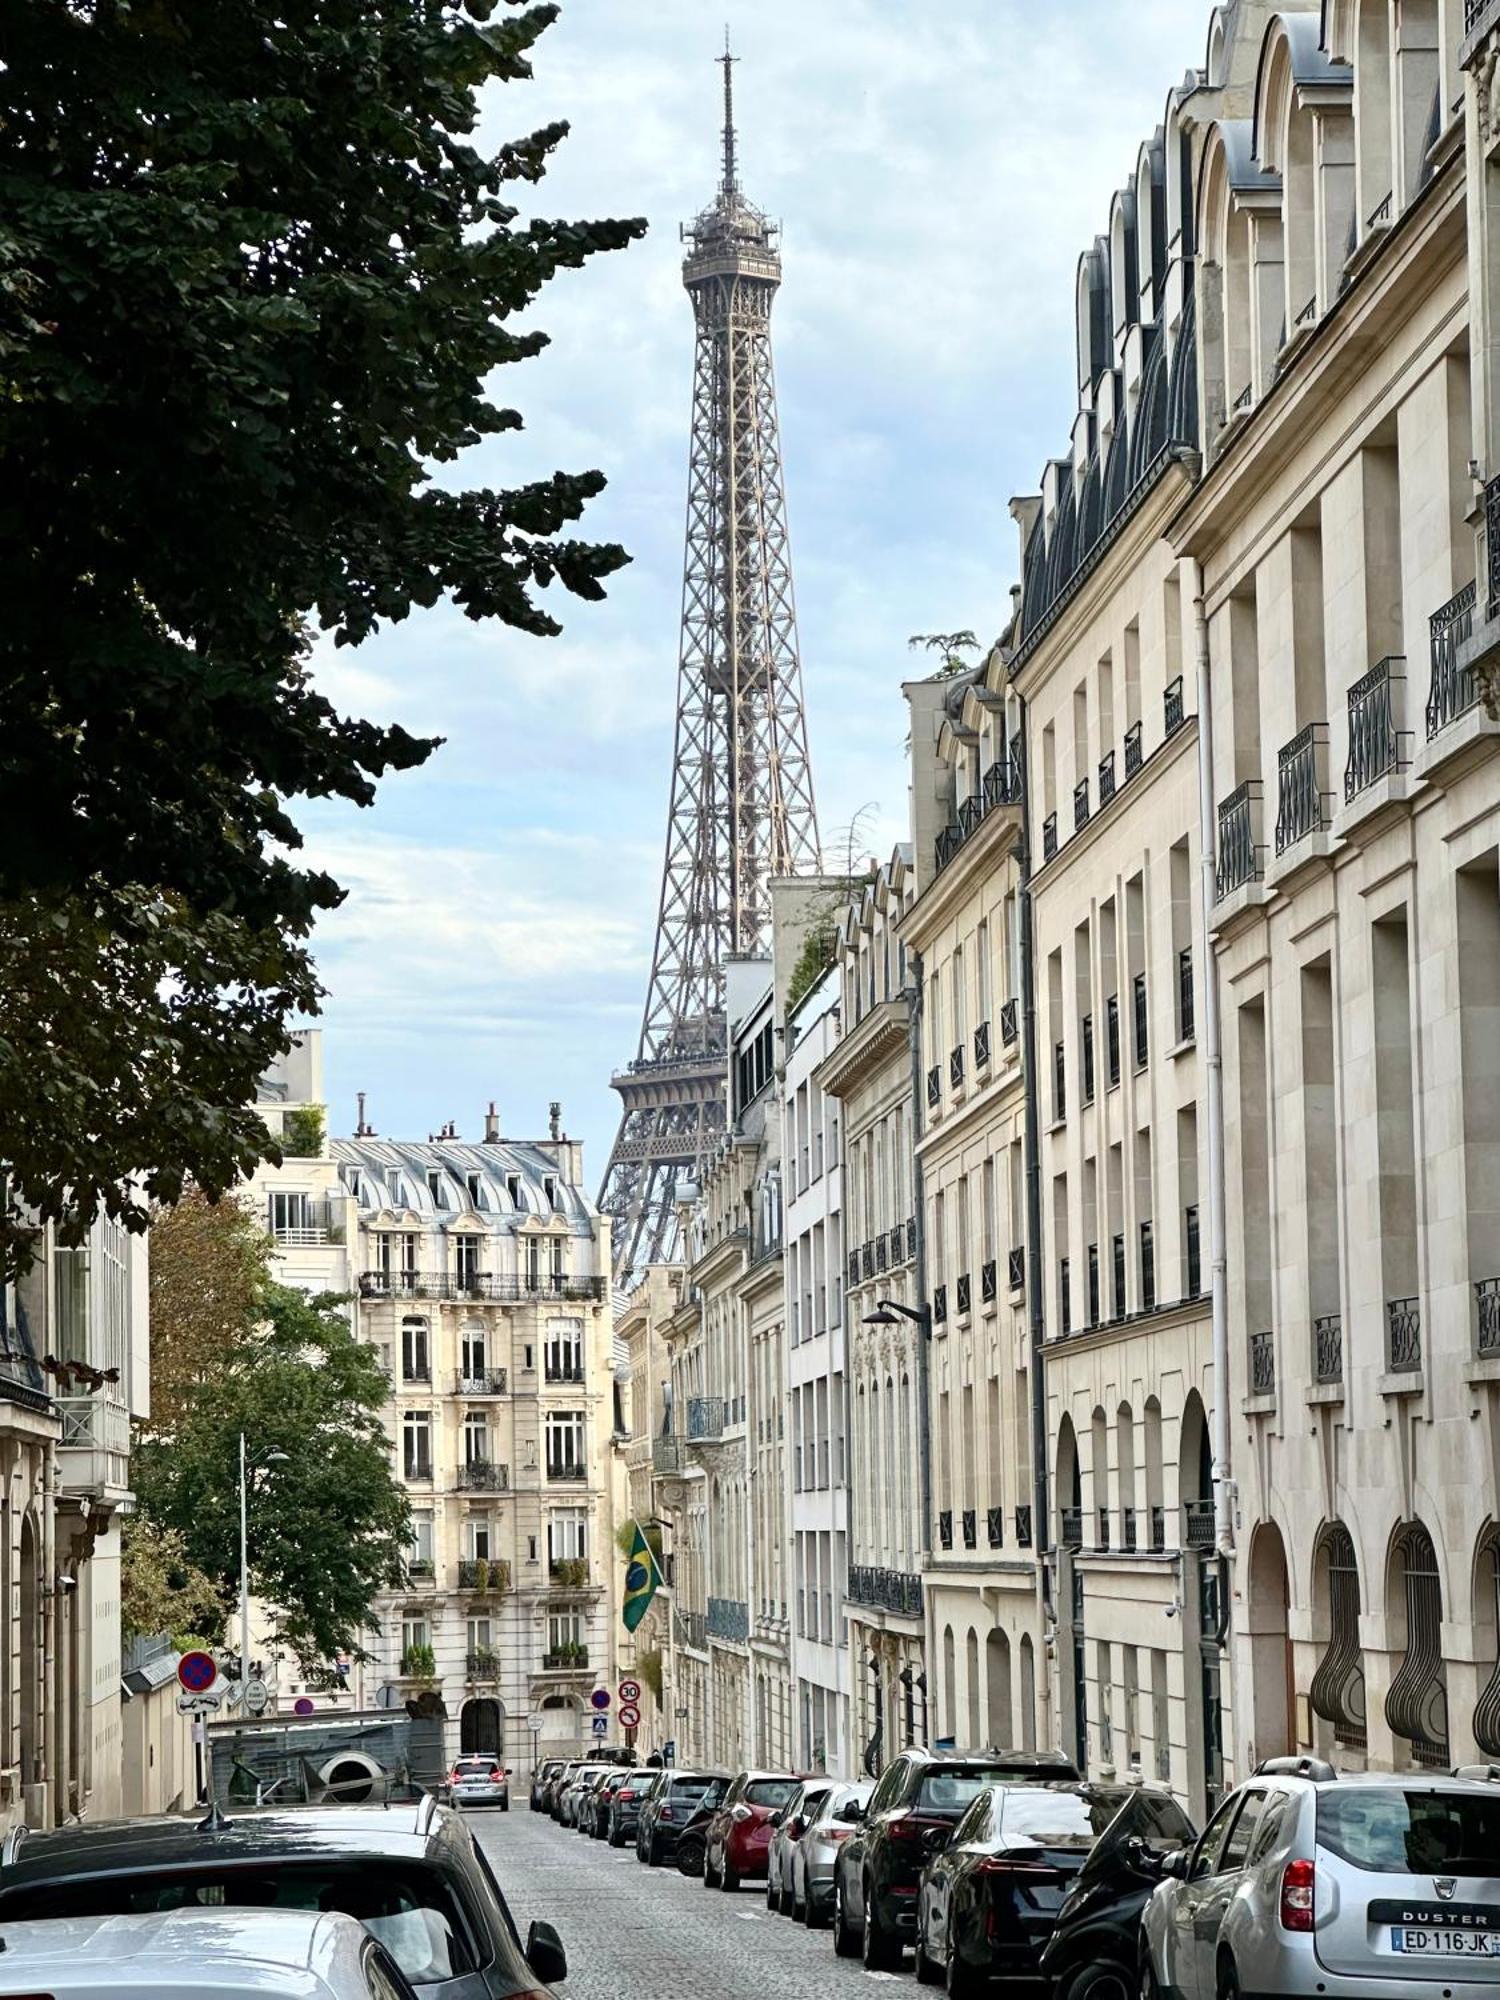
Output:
[[903, 1826], [1298, 1881], [665, 1813], [837, 1832], [498, 1777]]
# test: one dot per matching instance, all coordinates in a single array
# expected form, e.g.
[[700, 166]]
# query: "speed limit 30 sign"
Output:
[[630, 1691]]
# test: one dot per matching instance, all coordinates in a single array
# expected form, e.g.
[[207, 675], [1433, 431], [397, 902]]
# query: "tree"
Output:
[[210, 1276], [254, 278], [161, 1590], [949, 646], [328, 1526]]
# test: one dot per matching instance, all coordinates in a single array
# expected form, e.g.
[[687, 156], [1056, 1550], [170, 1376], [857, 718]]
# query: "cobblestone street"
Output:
[[651, 1934]]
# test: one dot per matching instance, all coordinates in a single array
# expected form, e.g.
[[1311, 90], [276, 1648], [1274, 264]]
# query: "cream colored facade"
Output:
[[652, 1456], [963, 933], [480, 1275]]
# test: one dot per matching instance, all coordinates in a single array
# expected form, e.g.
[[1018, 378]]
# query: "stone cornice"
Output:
[[867, 1047]]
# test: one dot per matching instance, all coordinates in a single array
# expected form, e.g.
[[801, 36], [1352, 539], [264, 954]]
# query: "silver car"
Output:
[[1367, 1887], [789, 1825], [815, 1853], [479, 1780]]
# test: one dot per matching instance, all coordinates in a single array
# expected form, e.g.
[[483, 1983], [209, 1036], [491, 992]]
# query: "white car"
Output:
[[480, 1780], [199, 1954]]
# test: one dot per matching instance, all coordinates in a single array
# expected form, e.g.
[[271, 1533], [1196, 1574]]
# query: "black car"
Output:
[[991, 1892], [412, 1874], [1094, 1950], [692, 1840], [875, 1881], [670, 1809], [624, 1814], [541, 1779]]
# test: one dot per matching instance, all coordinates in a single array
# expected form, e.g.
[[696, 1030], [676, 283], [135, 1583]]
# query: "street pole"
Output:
[[244, 1582]]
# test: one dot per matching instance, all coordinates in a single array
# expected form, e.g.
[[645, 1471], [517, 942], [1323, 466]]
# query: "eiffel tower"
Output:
[[742, 807]]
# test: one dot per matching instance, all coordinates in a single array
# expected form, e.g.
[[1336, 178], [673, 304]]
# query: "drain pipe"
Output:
[[915, 1009], [1224, 1493], [1036, 1293]]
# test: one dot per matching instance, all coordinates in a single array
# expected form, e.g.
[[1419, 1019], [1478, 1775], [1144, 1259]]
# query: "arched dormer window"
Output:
[[1358, 32], [1218, 50], [1417, 106], [1151, 229], [1124, 269], [1304, 133], [1243, 308], [1093, 319]]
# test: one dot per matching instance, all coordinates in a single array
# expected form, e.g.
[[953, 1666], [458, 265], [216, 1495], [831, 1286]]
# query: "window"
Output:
[[1398, 1832], [421, 1539], [480, 1639], [565, 1447], [415, 1631], [568, 1534], [564, 1631], [291, 1216], [476, 1439], [479, 1538], [466, 1262], [436, 1190], [562, 1356], [1206, 1860], [474, 1354], [416, 1444], [416, 1361], [475, 1186], [1238, 1847]]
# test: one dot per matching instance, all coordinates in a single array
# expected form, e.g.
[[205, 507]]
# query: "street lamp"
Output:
[[271, 1458], [887, 1310]]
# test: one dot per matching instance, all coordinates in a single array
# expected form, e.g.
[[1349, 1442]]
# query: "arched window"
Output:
[[1416, 1703], [1304, 132], [998, 1691], [1093, 319], [1156, 1530], [1028, 1693], [1487, 1639], [1125, 1474], [1195, 1475], [950, 1684], [1068, 1485], [1337, 1692], [1417, 108], [1099, 1477], [1373, 153], [971, 1675]]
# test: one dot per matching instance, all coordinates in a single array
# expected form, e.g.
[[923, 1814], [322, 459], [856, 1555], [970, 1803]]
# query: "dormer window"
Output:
[[475, 1185], [554, 1200], [513, 1189], [435, 1189]]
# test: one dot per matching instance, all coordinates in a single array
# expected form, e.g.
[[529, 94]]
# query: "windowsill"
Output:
[[1259, 1406], [1310, 851], [1057, 1125], [1323, 1395], [1391, 789], [1252, 895], [1482, 1368], [1410, 1382], [1182, 1048]]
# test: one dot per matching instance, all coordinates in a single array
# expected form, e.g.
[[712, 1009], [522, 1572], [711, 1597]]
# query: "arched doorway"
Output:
[[30, 1650], [1337, 1692], [971, 1676], [997, 1676], [481, 1727], [1272, 1684]]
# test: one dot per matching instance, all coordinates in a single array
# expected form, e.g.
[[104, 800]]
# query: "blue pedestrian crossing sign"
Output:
[[601, 1725]]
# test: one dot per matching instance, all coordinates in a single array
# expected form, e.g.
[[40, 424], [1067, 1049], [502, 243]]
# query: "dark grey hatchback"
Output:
[[412, 1874]]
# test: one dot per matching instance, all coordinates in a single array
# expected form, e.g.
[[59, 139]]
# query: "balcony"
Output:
[[1403, 1318], [940, 1304], [1198, 1524], [1101, 1530], [882, 1256], [1239, 849], [692, 1629], [94, 1449], [1001, 786], [480, 1475], [305, 1228], [867, 1259], [964, 1296], [988, 1282], [564, 1371], [1106, 779], [1328, 1348], [1173, 716], [970, 1527], [668, 1457], [887, 1589], [1454, 690], [1080, 805], [1187, 1020], [982, 1045], [1133, 757], [994, 1527], [477, 1286], [1487, 1313], [945, 1528], [569, 1572], [1023, 1527], [566, 1659], [956, 1068], [1010, 1023], [934, 1086], [851, 1269], [1300, 791], [420, 1571], [1262, 1364], [567, 1472], [483, 1665], [728, 1619], [1049, 836], [1376, 746], [488, 1382], [1070, 1528], [1158, 1528], [483, 1574], [1015, 1268], [706, 1418]]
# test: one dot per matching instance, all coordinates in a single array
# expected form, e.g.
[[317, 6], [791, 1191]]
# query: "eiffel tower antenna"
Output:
[[742, 807]]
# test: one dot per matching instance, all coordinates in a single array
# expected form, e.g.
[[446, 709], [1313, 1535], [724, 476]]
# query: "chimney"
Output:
[[361, 1129], [555, 1112], [492, 1125]]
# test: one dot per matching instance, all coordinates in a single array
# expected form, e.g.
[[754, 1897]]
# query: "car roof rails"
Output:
[[10, 1847], [1317, 1769], [1485, 1773]]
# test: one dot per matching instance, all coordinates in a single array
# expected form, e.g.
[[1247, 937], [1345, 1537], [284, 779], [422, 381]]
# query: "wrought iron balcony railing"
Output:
[[1141, 1017], [1101, 1528], [570, 1659], [1133, 757], [1299, 786], [935, 1085], [482, 1574], [1262, 1364], [1375, 743], [851, 1268], [1106, 779], [1239, 848], [882, 1255], [1404, 1324], [1487, 1314], [563, 1371], [963, 1294], [486, 1382], [981, 1045], [1015, 1267], [1087, 1037], [1070, 1527], [1148, 1267], [1193, 1251], [728, 1619], [1010, 1021], [1001, 786], [567, 1472], [1059, 1082], [1080, 805], [945, 1528], [476, 1285], [668, 1456], [705, 1419], [940, 1304], [994, 1527], [483, 1476], [483, 1665], [1112, 1039], [867, 1259], [1158, 1527], [1127, 1529], [970, 1527], [1173, 715], [956, 1067], [1023, 1527], [1187, 1020], [988, 1282], [1328, 1347], [569, 1572], [889, 1589], [1453, 690], [1198, 1524], [1049, 836]]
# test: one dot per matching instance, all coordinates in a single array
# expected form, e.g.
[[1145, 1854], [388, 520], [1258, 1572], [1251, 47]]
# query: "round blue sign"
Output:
[[197, 1672], [600, 1698]]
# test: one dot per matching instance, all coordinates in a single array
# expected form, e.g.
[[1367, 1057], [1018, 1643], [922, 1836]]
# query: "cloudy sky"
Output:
[[937, 166]]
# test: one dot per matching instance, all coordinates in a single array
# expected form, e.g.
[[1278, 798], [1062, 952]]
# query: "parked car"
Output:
[[669, 1809], [787, 1828], [624, 1814], [1308, 1883], [480, 1780], [1094, 1950], [875, 1878], [182, 1954], [992, 1889], [692, 1842], [588, 1792], [738, 1843], [832, 1822], [541, 1780], [556, 1785], [412, 1874], [573, 1792]]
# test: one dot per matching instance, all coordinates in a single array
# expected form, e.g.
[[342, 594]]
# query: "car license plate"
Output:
[[1446, 1944]]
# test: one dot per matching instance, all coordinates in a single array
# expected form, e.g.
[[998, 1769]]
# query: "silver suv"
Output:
[[1355, 1888]]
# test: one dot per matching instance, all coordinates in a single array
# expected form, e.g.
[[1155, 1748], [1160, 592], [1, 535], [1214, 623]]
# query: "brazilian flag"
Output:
[[642, 1578]]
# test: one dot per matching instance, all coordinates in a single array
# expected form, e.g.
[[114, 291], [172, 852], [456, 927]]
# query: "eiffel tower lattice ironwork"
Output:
[[742, 807]]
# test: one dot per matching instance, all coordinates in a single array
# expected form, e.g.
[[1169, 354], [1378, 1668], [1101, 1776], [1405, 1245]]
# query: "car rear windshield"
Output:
[[1408, 1831], [952, 1788], [477, 1764], [771, 1792], [1070, 1819], [693, 1788], [410, 1910]]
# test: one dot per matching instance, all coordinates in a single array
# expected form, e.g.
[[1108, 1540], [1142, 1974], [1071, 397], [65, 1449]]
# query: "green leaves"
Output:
[[254, 277]]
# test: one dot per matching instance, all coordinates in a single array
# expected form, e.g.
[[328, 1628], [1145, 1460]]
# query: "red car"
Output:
[[740, 1832]]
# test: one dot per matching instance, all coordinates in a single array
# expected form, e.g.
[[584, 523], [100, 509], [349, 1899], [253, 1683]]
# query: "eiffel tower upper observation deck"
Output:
[[742, 808]]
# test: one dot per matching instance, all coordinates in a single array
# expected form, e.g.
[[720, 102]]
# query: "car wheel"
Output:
[[1105, 1980], [773, 1896], [880, 1953], [653, 1852], [1149, 1988], [812, 1916], [1228, 1983], [710, 1875], [963, 1983], [845, 1943], [729, 1882], [928, 1972], [785, 1902]]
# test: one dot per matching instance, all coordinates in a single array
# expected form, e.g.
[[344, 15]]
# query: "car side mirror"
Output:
[[934, 1840], [775, 1819], [545, 1954], [797, 1828], [852, 1813], [1175, 1866]]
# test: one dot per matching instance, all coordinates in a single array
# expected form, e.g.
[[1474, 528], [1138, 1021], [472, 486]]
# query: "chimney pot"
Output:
[[491, 1125], [555, 1111]]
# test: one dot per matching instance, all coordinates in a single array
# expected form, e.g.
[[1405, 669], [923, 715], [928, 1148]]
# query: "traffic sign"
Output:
[[600, 1698], [256, 1697], [537, 1722], [197, 1671], [302, 1706], [601, 1725], [630, 1690], [630, 1717], [206, 1701]]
